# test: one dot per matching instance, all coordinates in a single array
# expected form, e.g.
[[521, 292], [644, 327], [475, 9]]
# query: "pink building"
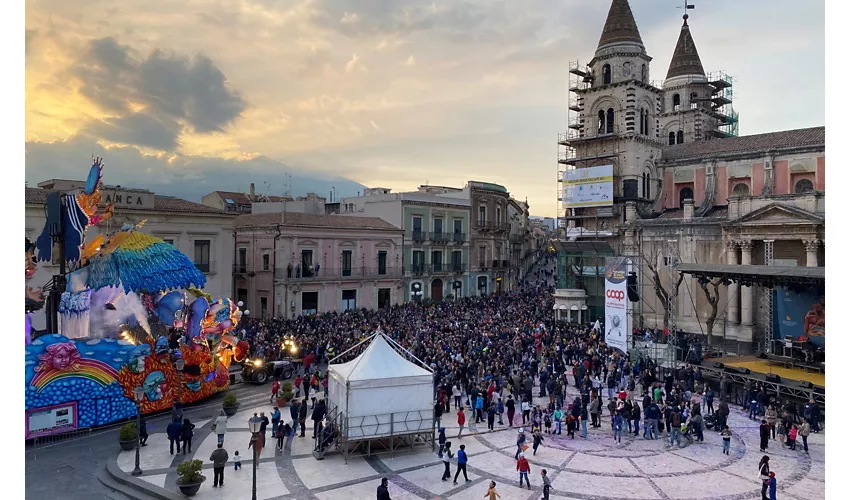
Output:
[[294, 263]]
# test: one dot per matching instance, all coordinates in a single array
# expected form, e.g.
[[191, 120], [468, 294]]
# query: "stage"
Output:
[[763, 366]]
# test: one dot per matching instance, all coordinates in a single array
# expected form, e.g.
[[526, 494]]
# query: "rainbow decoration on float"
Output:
[[91, 369]]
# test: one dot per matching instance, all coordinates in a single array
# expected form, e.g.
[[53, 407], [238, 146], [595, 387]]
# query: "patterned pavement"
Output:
[[587, 469]]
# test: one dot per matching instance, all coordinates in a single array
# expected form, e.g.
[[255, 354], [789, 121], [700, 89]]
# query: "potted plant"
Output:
[[284, 395], [127, 436], [230, 405], [189, 478]]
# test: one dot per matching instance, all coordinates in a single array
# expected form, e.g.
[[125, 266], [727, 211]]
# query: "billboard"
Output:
[[589, 187], [617, 319], [799, 314]]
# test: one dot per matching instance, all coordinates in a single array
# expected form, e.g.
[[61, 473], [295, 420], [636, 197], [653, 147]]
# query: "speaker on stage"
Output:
[[736, 370], [772, 377], [805, 384], [718, 365], [632, 287], [763, 356]]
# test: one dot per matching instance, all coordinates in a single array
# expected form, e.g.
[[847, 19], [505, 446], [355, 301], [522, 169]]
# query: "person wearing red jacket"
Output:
[[461, 420], [275, 388], [524, 468]]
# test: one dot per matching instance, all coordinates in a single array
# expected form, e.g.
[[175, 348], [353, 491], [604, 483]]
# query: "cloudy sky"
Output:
[[186, 97]]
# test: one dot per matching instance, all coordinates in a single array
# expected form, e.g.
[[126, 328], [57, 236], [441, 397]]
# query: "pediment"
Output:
[[347, 243], [776, 214], [307, 243], [385, 244]]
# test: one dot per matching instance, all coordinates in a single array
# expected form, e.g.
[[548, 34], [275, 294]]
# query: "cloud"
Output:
[[156, 98], [411, 61], [355, 64], [349, 18], [374, 125], [185, 176]]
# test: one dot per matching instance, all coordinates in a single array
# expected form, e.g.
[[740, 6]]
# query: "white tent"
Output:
[[380, 393]]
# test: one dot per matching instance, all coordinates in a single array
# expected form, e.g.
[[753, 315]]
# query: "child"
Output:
[[461, 421], [771, 486], [557, 416], [547, 421], [727, 438], [571, 426], [492, 494], [237, 460], [538, 438], [783, 433], [792, 437], [442, 440], [618, 426]]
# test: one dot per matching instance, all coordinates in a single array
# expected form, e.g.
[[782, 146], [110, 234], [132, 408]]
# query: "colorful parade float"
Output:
[[132, 315]]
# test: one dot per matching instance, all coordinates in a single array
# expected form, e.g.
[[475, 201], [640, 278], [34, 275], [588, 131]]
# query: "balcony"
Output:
[[458, 267], [337, 274], [459, 238], [416, 269], [246, 269], [418, 236], [436, 269], [492, 226], [517, 238], [441, 237]]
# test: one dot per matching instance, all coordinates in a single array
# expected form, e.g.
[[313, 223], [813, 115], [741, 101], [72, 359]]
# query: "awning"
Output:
[[762, 275]]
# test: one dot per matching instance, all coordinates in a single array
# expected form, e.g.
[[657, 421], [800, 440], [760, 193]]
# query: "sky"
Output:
[[187, 97]]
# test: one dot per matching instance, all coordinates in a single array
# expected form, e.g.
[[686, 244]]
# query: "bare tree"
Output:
[[662, 293], [712, 295]]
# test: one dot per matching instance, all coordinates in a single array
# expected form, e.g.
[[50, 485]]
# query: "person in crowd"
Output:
[[186, 435], [174, 431], [764, 435], [492, 494], [547, 484], [143, 432], [219, 458], [523, 467], [220, 427], [461, 463], [237, 460], [805, 430], [764, 476], [446, 457], [726, 434], [383, 490]]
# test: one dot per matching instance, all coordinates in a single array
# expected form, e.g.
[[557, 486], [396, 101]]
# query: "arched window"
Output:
[[680, 137], [741, 189], [601, 128], [643, 74], [646, 122], [685, 194], [677, 102], [693, 100], [672, 139], [646, 186], [642, 123], [804, 186], [606, 74], [609, 121]]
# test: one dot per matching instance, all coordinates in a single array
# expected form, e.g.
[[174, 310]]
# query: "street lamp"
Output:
[[254, 426], [178, 365], [138, 394]]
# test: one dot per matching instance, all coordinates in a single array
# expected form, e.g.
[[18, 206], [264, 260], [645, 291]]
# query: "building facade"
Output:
[[490, 237], [686, 188], [203, 233], [239, 203], [289, 264]]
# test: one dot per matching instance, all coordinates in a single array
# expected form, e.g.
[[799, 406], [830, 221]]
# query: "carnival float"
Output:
[[132, 314]]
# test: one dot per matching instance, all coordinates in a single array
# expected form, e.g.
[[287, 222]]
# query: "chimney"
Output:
[[252, 192], [689, 209]]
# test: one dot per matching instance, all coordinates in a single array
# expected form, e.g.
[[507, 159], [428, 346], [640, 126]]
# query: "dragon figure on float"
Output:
[[132, 307]]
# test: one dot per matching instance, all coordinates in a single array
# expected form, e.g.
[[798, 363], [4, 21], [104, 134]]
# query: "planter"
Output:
[[128, 445], [281, 402], [230, 410], [192, 488]]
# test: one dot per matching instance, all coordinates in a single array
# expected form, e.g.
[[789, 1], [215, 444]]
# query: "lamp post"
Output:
[[178, 365], [254, 426], [138, 394]]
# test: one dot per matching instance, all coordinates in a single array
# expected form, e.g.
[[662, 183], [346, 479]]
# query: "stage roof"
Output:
[[765, 275], [583, 246]]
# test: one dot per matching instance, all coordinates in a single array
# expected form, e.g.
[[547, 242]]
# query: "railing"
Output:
[[416, 269], [418, 236], [492, 226], [246, 269], [441, 237], [330, 274], [459, 237], [458, 267]]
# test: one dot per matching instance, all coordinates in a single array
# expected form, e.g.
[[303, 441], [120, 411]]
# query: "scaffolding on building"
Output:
[[722, 98]]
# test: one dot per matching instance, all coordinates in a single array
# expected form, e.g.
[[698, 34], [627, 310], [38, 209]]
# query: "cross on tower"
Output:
[[687, 7]]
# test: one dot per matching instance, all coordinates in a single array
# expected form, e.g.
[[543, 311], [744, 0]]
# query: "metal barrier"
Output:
[[42, 442]]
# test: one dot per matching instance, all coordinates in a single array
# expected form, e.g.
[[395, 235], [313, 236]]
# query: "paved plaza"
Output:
[[592, 468]]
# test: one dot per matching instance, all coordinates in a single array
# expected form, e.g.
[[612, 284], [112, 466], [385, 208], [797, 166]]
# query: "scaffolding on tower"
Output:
[[722, 108]]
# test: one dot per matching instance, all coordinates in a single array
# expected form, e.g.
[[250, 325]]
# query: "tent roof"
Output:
[[378, 361]]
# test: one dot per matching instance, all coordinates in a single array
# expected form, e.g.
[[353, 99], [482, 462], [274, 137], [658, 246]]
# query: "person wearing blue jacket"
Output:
[[479, 409], [461, 463], [174, 432]]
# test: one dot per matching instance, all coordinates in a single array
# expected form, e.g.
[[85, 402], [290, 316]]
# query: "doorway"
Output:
[[384, 299], [437, 290]]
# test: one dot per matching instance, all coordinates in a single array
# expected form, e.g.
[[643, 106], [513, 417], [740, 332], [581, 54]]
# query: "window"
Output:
[[169, 241], [202, 255], [677, 102], [606, 74], [457, 261], [482, 215], [482, 285], [685, 194], [680, 137], [741, 189], [804, 186], [265, 262], [609, 121], [482, 257], [646, 122], [458, 226], [384, 295], [417, 229], [642, 123], [498, 214], [242, 266], [693, 101], [306, 264], [349, 300], [346, 262], [309, 302], [627, 69], [438, 226], [418, 261], [437, 260], [382, 262], [671, 140], [264, 307], [643, 75], [601, 128], [645, 189]]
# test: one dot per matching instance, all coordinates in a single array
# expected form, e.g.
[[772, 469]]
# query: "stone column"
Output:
[[746, 291], [732, 289], [811, 252]]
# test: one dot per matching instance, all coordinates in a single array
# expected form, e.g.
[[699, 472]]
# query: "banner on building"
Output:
[[589, 187], [799, 314], [617, 319]]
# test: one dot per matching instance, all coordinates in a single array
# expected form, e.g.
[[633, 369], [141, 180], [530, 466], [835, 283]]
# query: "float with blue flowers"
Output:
[[132, 307]]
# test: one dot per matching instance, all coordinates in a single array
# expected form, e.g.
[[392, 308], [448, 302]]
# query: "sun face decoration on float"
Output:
[[132, 308]]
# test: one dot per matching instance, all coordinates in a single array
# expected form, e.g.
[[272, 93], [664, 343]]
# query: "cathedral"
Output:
[[687, 189]]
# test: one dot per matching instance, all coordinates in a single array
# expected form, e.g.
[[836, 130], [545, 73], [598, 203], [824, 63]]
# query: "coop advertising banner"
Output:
[[589, 187], [616, 303], [800, 314]]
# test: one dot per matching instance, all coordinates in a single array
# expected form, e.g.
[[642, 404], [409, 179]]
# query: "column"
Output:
[[811, 252], [732, 289], [746, 291]]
